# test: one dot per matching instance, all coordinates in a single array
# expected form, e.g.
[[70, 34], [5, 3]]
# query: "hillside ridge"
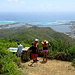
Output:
[[20, 34]]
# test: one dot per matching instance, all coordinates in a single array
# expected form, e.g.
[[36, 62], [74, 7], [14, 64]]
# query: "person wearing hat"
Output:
[[37, 46], [36, 43], [45, 49]]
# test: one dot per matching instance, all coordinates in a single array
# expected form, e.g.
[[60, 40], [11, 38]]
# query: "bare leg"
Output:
[[36, 57], [46, 55], [43, 56]]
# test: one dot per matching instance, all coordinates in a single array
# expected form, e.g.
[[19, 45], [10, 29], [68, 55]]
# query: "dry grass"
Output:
[[52, 67]]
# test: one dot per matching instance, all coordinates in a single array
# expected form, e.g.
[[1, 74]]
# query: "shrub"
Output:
[[73, 62], [8, 63], [62, 56], [40, 53], [25, 56], [71, 51]]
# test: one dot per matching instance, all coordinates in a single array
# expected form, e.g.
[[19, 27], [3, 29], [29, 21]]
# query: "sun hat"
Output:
[[36, 40], [44, 42]]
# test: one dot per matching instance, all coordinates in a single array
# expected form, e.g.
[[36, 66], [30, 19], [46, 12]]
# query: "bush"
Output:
[[25, 57], [73, 62], [8, 63], [62, 56], [40, 53], [71, 51]]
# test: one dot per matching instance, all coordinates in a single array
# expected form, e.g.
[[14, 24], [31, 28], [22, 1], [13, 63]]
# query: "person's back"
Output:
[[19, 51], [37, 47], [20, 47], [45, 46], [45, 49], [33, 48], [33, 51]]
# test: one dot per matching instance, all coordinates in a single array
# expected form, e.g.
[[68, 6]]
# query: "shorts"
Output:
[[45, 50], [33, 55], [19, 53]]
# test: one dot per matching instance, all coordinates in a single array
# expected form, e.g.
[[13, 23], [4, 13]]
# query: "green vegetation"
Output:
[[9, 63], [73, 62], [60, 50], [29, 34], [61, 46]]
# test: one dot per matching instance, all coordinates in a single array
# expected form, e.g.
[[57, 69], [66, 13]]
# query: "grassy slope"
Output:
[[26, 34], [39, 32]]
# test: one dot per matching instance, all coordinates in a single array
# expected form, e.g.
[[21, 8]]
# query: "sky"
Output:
[[37, 5]]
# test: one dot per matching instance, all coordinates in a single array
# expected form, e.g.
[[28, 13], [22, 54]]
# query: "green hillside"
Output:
[[29, 34], [61, 46]]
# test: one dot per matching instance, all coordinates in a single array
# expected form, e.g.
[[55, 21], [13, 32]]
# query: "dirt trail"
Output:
[[51, 67]]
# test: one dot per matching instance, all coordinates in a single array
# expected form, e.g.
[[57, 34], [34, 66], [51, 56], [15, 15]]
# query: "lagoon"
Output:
[[59, 26]]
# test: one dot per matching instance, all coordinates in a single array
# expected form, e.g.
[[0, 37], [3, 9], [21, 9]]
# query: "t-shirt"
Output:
[[33, 48], [35, 44], [37, 47], [20, 47]]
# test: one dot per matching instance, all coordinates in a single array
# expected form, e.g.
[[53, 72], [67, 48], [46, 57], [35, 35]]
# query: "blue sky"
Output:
[[37, 5]]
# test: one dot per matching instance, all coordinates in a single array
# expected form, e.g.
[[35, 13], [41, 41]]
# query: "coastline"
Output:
[[54, 25], [66, 27]]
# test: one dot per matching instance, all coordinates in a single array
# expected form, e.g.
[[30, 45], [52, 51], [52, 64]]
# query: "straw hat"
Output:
[[44, 41]]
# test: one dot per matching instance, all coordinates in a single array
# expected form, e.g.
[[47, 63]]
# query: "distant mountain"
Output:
[[8, 32], [29, 34]]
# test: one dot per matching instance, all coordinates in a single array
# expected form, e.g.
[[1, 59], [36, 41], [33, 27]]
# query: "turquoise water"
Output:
[[57, 26], [33, 23], [48, 23], [6, 22], [45, 19]]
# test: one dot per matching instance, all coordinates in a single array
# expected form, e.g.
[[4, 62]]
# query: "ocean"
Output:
[[52, 19]]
